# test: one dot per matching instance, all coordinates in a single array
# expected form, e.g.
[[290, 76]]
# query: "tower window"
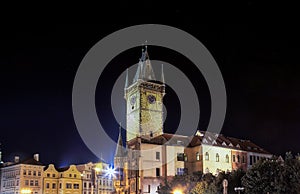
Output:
[[233, 158], [238, 158]]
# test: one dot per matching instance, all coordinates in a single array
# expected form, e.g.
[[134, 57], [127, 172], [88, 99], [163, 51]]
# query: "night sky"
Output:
[[259, 62]]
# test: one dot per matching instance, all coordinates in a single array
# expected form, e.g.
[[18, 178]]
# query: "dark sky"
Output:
[[259, 62]]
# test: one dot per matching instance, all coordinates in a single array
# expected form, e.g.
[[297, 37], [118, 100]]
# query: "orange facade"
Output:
[[239, 159]]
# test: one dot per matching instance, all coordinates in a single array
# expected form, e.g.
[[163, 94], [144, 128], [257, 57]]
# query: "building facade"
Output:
[[153, 156], [69, 180], [51, 180], [95, 179], [22, 176]]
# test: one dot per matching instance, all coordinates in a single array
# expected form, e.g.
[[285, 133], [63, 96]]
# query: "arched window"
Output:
[[233, 158], [197, 156], [227, 158], [206, 156], [238, 158], [217, 157]]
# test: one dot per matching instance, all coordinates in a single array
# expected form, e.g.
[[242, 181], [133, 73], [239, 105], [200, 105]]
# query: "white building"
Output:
[[95, 180], [22, 176]]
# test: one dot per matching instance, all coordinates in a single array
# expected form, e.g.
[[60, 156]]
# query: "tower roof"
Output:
[[144, 71], [120, 152]]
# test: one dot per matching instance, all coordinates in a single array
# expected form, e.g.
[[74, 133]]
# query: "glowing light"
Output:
[[25, 191], [97, 169], [177, 191], [110, 172]]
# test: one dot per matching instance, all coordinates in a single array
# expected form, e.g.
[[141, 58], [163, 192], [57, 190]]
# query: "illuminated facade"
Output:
[[69, 180], [95, 180], [162, 156], [51, 179], [22, 176]]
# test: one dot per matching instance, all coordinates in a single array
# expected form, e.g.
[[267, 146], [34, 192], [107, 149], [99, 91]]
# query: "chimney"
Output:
[[36, 157], [17, 159]]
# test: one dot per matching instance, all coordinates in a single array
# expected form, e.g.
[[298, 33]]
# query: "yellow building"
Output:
[[51, 178], [69, 180]]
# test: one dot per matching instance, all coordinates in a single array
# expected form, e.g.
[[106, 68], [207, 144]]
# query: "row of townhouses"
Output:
[[32, 177]]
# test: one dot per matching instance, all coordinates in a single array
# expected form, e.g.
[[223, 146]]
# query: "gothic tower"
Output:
[[121, 166], [144, 101]]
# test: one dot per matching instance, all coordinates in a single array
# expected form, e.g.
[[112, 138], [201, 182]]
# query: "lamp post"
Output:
[[177, 191], [239, 189]]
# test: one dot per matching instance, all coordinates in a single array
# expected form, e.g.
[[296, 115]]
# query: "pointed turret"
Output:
[[144, 71], [162, 74], [120, 149], [0, 155], [126, 80]]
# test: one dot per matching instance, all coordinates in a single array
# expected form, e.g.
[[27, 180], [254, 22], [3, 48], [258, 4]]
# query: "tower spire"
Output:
[[162, 74], [126, 80], [120, 148], [0, 155], [144, 71]]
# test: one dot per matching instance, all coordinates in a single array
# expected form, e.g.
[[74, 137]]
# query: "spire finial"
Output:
[[126, 80], [162, 74]]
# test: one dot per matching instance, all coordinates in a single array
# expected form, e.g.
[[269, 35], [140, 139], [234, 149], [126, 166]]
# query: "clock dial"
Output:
[[151, 99], [132, 100]]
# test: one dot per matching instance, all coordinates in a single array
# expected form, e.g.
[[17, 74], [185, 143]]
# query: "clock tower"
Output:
[[144, 101]]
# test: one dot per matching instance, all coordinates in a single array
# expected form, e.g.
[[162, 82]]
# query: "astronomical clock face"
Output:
[[132, 100], [151, 99]]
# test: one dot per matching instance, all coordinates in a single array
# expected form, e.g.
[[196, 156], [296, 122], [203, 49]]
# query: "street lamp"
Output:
[[25, 191], [177, 191], [239, 189]]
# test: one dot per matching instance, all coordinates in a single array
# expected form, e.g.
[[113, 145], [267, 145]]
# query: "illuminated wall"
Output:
[[239, 159], [194, 161], [144, 109], [70, 181], [22, 178], [50, 183], [215, 158]]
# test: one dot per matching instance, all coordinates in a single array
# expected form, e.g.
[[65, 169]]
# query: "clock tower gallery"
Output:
[[144, 101]]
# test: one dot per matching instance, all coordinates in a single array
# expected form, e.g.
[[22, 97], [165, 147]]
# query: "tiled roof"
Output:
[[204, 138], [29, 161]]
